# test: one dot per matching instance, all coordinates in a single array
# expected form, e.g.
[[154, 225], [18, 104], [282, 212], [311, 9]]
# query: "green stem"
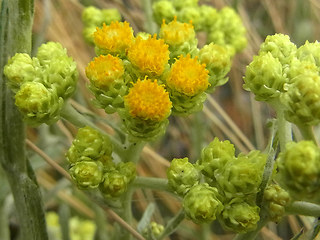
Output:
[[150, 27], [205, 231], [160, 184], [16, 21], [173, 224], [133, 151], [303, 208], [127, 211], [307, 133]]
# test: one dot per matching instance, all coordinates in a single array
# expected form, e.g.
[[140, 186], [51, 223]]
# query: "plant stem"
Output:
[[160, 184], [150, 26], [16, 21], [173, 224], [307, 133], [303, 208]]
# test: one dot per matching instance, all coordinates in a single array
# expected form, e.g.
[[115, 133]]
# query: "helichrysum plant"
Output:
[[145, 79]]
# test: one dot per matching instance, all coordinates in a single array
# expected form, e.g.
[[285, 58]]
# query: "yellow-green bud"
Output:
[[215, 156], [242, 175], [310, 52], [50, 50], [163, 10], [280, 46], [20, 69], [265, 78], [38, 104], [87, 174], [302, 99], [209, 16], [182, 175], [202, 203], [109, 15], [239, 216], [87, 33], [127, 169], [114, 184], [181, 4], [92, 16], [276, 198], [299, 170], [218, 62], [156, 229], [88, 145], [191, 14]]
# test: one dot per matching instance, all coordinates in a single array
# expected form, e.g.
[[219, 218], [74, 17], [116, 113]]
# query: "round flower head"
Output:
[[115, 38], [299, 170], [103, 70], [310, 52], [148, 101], [92, 16], [191, 14], [149, 56], [218, 62], [264, 77], [202, 203], [180, 4], [182, 175], [188, 76], [87, 174], [163, 10], [38, 104], [239, 216], [280, 46], [209, 16], [114, 184]]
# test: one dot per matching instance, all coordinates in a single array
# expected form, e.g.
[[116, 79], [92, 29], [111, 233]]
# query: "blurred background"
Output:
[[230, 114]]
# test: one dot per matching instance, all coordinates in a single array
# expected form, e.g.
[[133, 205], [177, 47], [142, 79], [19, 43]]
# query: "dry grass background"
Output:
[[229, 106]]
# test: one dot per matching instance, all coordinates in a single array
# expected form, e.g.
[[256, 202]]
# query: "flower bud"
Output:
[[181, 4], [209, 17], [276, 199], [299, 170], [114, 184], [182, 175], [88, 145], [239, 216], [215, 156], [280, 47], [20, 69], [127, 169], [218, 62], [310, 52], [92, 16], [191, 14], [38, 104], [202, 203], [264, 77], [87, 174], [163, 10], [243, 175]]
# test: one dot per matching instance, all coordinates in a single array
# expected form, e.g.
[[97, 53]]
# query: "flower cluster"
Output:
[[41, 84], [147, 78], [220, 186], [91, 164], [93, 17], [223, 27], [289, 76]]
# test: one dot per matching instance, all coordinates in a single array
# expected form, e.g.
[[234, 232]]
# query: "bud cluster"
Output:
[[41, 84], [223, 27], [91, 164]]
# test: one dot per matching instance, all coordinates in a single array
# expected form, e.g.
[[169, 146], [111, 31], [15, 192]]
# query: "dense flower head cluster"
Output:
[[42, 84]]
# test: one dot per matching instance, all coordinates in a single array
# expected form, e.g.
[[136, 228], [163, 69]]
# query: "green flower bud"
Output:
[[218, 62], [109, 15], [215, 156], [181, 4], [59, 70], [209, 16], [276, 199], [202, 203], [302, 99], [87, 174], [299, 170], [114, 184], [88, 145], [156, 229], [228, 31], [239, 216], [92, 16], [191, 14], [310, 52], [127, 169], [87, 33], [182, 175], [298, 67], [243, 175], [20, 69], [38, 104], [264, 77], [163, 10], [280, 46]]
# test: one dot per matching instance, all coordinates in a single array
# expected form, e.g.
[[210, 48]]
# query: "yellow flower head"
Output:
[[176, 33], [114, 38], [188, 76], [148, 100], [150, 55], [103, 70]]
